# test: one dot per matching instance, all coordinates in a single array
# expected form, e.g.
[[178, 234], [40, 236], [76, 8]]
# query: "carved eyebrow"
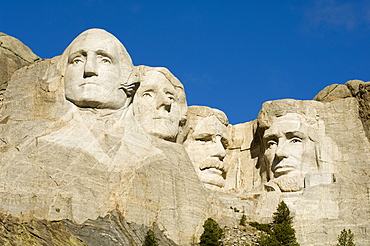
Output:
[[76, 53], [293, 134], [270, 136], [103, 53], [148, 90]]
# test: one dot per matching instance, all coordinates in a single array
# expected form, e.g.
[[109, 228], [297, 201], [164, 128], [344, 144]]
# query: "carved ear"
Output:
[[130, 89]]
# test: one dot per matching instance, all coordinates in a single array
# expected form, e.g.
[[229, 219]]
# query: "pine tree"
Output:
[[150, 239], [282, 232], [346, 238], [282, 214], [212, 233]]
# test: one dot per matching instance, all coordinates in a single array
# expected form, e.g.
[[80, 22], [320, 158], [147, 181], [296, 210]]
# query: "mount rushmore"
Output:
[[87, 133]]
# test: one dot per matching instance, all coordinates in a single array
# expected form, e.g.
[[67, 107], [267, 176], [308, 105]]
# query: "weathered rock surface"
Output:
[[110, 230], [13, 55], [335, 193], [65, 161], [85, 162], [240, 236], [353, 88]]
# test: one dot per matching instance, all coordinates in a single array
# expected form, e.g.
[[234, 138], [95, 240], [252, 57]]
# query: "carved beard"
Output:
[[286, 183]]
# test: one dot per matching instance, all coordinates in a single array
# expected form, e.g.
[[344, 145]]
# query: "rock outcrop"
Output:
[[113, 229], [13, 55]]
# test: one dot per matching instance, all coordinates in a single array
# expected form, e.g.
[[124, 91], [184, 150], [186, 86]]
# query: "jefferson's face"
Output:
[[206, 149], [93, 74], [284, 145], [156, 106]]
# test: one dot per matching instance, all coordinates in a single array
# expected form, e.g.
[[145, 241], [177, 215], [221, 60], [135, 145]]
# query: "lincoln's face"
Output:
[[206, 148], [94, 74], [156, 106], [284, 144]]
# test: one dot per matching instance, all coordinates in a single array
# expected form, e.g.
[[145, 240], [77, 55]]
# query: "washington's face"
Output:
[[93, 75], [206, 149], [284, 144], [156, 106]]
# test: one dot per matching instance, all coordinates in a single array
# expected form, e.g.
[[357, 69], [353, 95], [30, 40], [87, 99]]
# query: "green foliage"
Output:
[[150, 239], [346, 238], [268, 240], [212, 233], [285, 234], [262, 227], [243, 220], [280, 231], [282, 214]]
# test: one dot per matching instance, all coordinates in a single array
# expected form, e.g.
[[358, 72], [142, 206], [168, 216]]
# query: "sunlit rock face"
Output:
[[284, 143], [73, 149], [292, 141], [97, 70], [13, 55], [206, 144], [333, 152], [160, 103], [87, 133]]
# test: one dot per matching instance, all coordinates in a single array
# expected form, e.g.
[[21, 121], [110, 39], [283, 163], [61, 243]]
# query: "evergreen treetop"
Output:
[[150, 239], [282, 214], [212, 233], [346, 238], [281, 230]]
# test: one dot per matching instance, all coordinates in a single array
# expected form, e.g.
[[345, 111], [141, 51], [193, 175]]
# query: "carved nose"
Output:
[[281, 151], [218, 149], [163, 102], [90, 68]]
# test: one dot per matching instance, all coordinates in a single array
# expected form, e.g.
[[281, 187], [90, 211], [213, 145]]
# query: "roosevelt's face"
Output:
[[156, 106], [284, 145], [206, 149], [93, 74]]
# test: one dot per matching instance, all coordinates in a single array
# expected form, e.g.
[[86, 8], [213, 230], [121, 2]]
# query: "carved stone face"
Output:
[[206, 149], [156, 106], [286, 143], [93, 74]]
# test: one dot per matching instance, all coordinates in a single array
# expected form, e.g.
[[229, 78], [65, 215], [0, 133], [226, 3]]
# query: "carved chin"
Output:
[[212, 178], [290, 183], [163, 129]]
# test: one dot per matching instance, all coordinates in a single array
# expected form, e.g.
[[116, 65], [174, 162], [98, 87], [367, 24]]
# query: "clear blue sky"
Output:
[[230, 55]]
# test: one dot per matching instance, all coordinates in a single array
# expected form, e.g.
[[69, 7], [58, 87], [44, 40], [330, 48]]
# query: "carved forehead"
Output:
[[155, 80], [209, 125], [198, 112], [289, 123], [91, 40], [98, 38]]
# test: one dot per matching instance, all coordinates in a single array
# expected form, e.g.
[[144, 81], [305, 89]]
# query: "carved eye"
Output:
[[104, 60], [224, 142], [146, 94], [171, 97], [271, 143], [204, 139], [296, 140], [77, 60]]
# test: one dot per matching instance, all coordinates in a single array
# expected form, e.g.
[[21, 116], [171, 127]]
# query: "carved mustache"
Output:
[[212, 162]]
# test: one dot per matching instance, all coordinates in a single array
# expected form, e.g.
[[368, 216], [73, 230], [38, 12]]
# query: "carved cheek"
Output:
[[270, 154]]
